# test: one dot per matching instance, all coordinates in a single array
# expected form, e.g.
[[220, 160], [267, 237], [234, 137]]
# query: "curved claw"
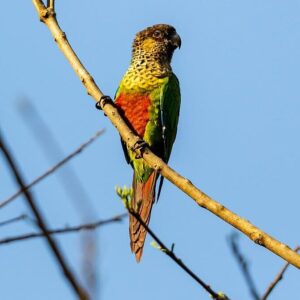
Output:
[[103, 101], [139, 147]]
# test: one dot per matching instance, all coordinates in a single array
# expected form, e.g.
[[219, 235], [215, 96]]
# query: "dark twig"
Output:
[[13, 220], [243, 266], [278, 277], [80, 292], [73, 187], [52, 169], [53, 151], [89, 226], [177, 260]]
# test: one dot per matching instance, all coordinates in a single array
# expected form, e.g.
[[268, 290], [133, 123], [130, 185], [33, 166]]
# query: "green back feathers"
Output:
[[170, 107], [161, 129]]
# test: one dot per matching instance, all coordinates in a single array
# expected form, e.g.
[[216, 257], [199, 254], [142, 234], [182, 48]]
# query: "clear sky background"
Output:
[[238, 140]]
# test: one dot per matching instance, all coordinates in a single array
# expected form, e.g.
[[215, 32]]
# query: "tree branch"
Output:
[[73, 187], [244, 266], [50, 4], [277, 279], [254, 233], [89, 226], [79, 291], [178, 261], [52, 169], [14, 220]]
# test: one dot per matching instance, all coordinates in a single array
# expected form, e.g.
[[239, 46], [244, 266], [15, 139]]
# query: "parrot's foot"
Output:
[[103, 101], [139, 148]]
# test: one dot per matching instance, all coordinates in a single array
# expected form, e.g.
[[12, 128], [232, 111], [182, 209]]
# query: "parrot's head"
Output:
[[158, 42]]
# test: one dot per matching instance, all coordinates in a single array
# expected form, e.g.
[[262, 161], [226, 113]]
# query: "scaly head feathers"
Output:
[[158, 41], [152, 51]]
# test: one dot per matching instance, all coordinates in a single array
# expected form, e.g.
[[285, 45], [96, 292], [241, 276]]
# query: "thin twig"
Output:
[[254, 233], [79, 291], [73, 187], [53, 151], [89, 226], [52, 169], [51, 4], [177, 260], [243, 265], [14, 220], [278, 277]]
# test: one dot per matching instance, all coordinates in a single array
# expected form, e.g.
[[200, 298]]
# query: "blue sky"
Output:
[[238, 140]]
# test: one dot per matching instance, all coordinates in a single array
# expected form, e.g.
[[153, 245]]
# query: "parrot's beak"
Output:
[[176, 40]]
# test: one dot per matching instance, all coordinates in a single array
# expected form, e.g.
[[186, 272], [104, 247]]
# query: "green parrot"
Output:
[[148, 98]]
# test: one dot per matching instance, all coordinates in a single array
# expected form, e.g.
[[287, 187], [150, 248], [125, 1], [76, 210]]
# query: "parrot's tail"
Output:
[[143, 199]]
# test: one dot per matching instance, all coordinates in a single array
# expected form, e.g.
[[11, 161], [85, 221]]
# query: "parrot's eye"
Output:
[[157, 34]]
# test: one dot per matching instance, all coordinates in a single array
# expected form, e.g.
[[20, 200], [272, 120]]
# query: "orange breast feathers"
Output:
[[135, 110]]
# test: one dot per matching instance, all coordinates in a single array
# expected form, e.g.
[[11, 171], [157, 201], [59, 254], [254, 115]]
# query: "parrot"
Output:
[[148, 98]]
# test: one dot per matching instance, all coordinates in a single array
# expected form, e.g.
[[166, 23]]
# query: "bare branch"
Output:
[[277, 279], [79, 291], [73, 187], [243, 265], [52, 169], [13, 220], [72, 229], [51, 4], [254, 233], [245, 271], [178, 261], [70, 181]]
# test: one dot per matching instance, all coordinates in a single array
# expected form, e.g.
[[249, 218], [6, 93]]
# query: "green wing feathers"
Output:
[[170, 107]]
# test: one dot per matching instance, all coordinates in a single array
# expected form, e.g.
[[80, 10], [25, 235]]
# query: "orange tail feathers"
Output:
[[143, 199]]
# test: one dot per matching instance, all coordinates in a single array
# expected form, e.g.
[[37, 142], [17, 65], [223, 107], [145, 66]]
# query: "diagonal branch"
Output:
[[243, 265], [51, 3], [89, 226], [52, 169], [73, 187], [79, 291], [47, 16], [177, 260], [279, 276], [14, 220]]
